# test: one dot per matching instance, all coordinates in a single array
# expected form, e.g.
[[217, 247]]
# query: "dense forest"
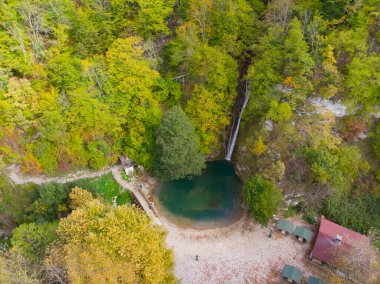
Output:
[[85, 81]]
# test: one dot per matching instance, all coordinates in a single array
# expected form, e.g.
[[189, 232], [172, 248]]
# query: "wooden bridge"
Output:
[[140, 197]]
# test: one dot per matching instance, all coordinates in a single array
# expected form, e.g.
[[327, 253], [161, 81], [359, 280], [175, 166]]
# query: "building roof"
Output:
[[304, 233], [126, 162], [285, 225], [328, 239], [292, 272], [315, 280]]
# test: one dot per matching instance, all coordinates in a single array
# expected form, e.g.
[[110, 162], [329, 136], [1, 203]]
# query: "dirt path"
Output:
[[140, 197], [15, 175], [18, 178]]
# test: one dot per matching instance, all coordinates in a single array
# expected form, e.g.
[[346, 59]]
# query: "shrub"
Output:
[[32, 239], [263, 199]]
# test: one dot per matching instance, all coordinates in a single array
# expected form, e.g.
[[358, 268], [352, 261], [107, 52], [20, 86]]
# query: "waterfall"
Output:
[[235, 127]]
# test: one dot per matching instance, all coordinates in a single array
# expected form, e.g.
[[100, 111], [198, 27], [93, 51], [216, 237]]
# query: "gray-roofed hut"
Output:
[[291, 274], [303, 234], [315, 280], [285, 226]]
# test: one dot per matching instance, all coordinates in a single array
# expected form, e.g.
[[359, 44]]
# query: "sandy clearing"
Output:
[[240, 253]]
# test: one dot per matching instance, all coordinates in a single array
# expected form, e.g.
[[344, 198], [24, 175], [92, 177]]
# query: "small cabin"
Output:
[[315, 280], [332, 236], [285, 226], [128, 165], [303, 234], [291, 274]]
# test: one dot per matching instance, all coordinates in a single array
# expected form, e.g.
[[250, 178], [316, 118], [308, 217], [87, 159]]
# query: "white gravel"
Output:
[[240, 253]]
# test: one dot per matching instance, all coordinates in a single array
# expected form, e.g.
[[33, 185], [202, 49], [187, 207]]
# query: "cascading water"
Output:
[[236, 125]]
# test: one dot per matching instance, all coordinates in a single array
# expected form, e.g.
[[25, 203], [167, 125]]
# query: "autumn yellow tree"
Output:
[[14, 268], [130, 84], [79, 197], [209, 116], [102, 244], [332, 76], [259, 147]]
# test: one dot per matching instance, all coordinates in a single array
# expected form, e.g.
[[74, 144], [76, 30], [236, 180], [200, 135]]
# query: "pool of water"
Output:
[[206, 201]]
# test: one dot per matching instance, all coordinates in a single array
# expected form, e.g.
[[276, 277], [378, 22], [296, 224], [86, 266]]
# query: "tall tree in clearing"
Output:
[[177, 150]]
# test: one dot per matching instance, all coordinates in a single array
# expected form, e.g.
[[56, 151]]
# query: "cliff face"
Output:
[[305, 154]]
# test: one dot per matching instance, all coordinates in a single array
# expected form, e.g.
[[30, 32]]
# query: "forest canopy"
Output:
[[83, 82]]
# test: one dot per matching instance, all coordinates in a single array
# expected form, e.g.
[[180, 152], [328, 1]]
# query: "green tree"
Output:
[[210, 113], [31, 239], [263, 199], [363, 79], [340, 167], [100, 243], [19, 105], [92, 30], [374, 234], [376, 140], [358, 214], [177, 147], [279, 111], [65, 72], [333, 9], [213, 75], [152, 18], [146, 17], [46, 153], [14, 199], [349, 43], [50, 204], [130, 85], [265, 71], [225, 23], [298, 62]]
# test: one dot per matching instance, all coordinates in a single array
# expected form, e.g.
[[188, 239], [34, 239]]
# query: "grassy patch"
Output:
[[125, 177], [124, 198], [291, 212], [104, 186]]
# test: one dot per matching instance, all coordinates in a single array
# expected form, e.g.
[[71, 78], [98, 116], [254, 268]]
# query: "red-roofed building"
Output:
[[333, 238]]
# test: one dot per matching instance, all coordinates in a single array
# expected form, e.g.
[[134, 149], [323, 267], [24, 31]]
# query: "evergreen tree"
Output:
[[298, 62], [177, 147]]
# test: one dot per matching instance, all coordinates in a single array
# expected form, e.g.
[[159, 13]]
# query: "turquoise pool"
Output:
[[212, 199]]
